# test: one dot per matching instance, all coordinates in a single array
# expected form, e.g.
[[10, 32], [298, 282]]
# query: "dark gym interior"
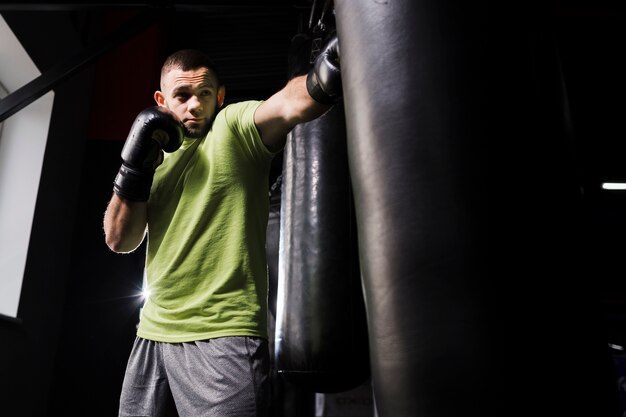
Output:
[[543, 106]]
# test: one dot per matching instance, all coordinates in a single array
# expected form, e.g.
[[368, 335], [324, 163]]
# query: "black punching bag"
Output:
[[321, 330], [287, 400], [412, 94]]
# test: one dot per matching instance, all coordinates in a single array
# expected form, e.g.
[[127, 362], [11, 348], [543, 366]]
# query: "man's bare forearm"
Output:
[[125, 224]]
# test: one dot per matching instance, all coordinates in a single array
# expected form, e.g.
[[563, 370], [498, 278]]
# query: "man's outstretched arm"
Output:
[[304, 98]]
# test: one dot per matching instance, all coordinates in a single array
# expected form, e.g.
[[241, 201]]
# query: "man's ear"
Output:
[[221, 92], [159, 98]]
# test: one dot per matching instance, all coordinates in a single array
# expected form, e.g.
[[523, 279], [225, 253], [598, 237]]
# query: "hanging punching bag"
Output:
[[412, 94], [286, 399], [321, 330]]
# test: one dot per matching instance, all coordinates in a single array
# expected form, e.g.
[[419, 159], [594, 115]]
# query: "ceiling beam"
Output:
[[28, 6], [33, 90]]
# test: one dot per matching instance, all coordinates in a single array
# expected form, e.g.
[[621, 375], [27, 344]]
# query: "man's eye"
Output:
[[205, 93], [182, 96]]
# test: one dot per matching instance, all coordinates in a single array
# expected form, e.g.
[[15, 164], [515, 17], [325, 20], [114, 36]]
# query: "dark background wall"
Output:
[[555, 138], [29, 349]]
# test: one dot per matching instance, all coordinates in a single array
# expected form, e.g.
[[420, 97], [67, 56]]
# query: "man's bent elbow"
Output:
[[119, 245]]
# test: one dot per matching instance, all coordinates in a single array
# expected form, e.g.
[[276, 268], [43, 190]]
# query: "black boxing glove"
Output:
[[155, 129], [324, 80]]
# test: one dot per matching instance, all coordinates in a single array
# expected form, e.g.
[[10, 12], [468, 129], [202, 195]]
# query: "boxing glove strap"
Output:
[[316, 91], [132, 184]]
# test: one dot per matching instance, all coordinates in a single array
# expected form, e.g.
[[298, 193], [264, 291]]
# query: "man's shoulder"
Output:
[[239, 105], [236, 112]]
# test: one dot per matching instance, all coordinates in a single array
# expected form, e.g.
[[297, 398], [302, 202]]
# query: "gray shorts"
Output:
[[223, 377]]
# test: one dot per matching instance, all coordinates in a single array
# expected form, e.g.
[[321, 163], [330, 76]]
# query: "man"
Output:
[[202, 340]]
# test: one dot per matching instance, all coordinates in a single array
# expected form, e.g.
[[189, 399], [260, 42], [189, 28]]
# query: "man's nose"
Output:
[[194, 105]]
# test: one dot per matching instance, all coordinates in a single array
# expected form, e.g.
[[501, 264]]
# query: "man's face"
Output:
[[194, 96]]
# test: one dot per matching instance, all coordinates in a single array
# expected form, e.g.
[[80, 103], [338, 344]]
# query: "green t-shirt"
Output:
[[207, 218]]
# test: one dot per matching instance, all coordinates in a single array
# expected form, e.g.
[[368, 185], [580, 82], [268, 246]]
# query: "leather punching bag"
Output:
[[411, 82], [286, 399], [321, 329]]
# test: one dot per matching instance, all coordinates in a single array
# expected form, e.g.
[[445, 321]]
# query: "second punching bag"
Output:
[[321, 329]]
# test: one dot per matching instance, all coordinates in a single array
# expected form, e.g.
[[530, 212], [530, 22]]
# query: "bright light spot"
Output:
[[616, 347], [145, 291], [614, 185]]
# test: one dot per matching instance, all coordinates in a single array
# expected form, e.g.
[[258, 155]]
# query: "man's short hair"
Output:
[[188, 59]]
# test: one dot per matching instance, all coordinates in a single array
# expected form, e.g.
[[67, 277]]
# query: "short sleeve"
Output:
[[240, 119]]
